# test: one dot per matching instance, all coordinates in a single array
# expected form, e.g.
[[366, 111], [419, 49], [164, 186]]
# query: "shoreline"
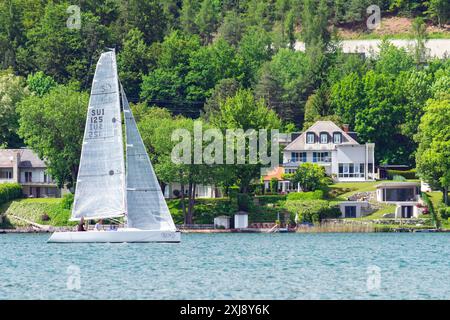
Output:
[[210, 231]]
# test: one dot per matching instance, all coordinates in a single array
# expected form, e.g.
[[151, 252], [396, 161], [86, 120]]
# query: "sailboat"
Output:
[[112, 183]]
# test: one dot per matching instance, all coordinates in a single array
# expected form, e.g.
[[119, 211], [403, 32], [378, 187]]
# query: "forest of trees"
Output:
[[197, 58]]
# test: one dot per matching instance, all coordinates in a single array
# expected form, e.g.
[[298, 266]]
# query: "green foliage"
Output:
[[274, 185], [311, 195], [35, 210], [407, 174], [433, 153], [67, 201], [433, 212], [311, 210], [270, 199], [310, 176], [12, 91], [9, 191], [40, 84], [53, 127]]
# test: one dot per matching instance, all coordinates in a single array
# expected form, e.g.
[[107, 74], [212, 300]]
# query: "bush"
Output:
[[435, 216], [67, 201], [272, 199], [444, 212], [312, 195], [311, 210], [9, 191], [408, 174], [398, 178]]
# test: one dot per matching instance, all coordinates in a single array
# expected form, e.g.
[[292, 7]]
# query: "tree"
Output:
[[438, 10], [61, 52], [224, 89], [189, 175], [283, 84], [310, 177], [148, 16], [187, 16], [206, 20], [40, 84], [255, 48], [315, 22], [232, 28], [421, 37], [12, 91], [243, 112], [134, 61], [53, 126], [433, 153]]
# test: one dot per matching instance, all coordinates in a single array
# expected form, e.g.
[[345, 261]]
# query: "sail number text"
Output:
[[96, 123]]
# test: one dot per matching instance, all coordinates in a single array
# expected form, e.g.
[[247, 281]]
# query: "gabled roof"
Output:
[[320, 126], [276, 173], [28, 159]]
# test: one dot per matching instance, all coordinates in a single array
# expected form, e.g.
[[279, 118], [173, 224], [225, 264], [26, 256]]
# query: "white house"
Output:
[[335, 149], [24, 166]]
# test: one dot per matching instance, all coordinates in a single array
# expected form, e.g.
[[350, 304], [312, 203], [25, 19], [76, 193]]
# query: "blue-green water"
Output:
[[230, 266]]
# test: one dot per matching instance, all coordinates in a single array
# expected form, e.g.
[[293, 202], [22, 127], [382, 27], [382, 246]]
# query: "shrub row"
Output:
[[434, 214], [9, 191], [408, 174], [312, 195]]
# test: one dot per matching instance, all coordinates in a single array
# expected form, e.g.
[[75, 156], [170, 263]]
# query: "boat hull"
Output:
[[119, 236]]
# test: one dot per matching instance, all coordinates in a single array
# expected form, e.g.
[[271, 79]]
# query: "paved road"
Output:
[[436, 47]]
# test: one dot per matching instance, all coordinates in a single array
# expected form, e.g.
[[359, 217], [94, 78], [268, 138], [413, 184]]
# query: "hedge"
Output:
[[434, 214], [408, 174], [312, 210], [311, 195], [9, 191]]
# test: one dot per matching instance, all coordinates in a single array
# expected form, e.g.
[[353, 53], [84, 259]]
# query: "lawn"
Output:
[[343, 190], [36, 210]]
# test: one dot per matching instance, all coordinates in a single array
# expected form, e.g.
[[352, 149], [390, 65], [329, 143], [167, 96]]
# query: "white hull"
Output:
[[121, 235]]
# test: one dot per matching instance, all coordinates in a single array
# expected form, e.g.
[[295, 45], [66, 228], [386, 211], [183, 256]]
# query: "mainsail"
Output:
[[100, 189], [146, 206]]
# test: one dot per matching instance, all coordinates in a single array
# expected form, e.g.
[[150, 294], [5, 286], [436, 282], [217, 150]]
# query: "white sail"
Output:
[[100, 189], [146, 206]]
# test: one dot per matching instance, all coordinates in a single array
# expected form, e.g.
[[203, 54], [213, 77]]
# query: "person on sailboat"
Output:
[[99, 225], [81, 225]]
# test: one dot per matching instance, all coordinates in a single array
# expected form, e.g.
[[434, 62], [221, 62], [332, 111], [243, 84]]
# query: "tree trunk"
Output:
[[183, 206], [189, 212], [192, 203], [445, 196]]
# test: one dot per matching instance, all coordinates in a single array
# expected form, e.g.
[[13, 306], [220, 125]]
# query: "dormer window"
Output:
[[337, 138], [310, 137], [323, 137]]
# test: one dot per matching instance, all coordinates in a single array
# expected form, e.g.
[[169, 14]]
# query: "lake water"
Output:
[[230, 266]]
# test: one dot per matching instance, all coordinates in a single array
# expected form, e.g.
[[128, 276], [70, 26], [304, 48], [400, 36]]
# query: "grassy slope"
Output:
[[34, 209]]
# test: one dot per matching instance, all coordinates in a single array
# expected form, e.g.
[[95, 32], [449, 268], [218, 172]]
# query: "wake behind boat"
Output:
[[105, 189]]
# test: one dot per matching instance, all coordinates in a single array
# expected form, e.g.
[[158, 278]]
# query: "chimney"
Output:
[[16, 161], [345, 127]]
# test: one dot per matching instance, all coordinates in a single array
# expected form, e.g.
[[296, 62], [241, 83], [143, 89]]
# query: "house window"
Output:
[[310, 137], [6, 173], [351, 170], [321, 157], [298, 156], [28, 176], [337, 138], [323, 137]]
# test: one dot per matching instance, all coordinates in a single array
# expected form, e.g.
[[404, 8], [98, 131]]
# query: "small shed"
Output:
[[241, 220], [222, 222], [352, 209]]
